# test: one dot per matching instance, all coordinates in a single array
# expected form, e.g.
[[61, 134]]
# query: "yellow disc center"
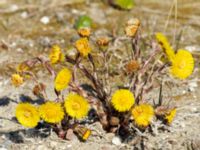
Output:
[[181, 64], [76, 106], [139, 111], [27, 114]]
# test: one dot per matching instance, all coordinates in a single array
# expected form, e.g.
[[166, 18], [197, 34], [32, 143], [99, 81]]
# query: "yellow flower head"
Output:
[[17, 80], [170, 116], [183, 64], [27, 115], [76, 106], [162, 39], [122, 100], [82, 45], [143, 114], [62, 79], [56, 55], [51, 112]]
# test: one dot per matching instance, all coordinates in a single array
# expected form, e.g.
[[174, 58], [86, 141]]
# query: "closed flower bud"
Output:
[[84, 32], [103, 41], [114, 121], [82, 132], [37, 90], [132, 27], [132, 66]]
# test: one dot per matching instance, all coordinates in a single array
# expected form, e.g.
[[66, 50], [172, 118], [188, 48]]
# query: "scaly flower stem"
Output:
[[151, 57], [98, 86], [135, 47]]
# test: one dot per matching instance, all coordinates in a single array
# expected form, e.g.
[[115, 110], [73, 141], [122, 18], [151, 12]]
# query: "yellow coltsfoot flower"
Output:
[[143, 114], [62, 79], [163, 41], [169, 117], [76, 106], [17, 80], [122, 100], [27, 115], [51, 112], [56, 55], [183, 64], [82, 45]]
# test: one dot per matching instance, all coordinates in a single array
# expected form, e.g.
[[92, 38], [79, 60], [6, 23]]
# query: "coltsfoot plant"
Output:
[[103, 78]]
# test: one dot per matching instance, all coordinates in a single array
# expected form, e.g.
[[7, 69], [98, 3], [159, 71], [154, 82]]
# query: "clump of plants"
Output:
[[99, 84]]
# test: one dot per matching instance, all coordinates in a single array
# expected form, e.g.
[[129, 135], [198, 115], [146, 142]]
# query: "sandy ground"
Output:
[[26, 36]]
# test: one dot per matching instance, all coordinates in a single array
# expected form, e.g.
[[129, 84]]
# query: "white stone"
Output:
[[184, 92], [194, 109], [24, 15], [68, 146], [45, 20], [116, 141], [19, 50], [13, 44], [192, 86]]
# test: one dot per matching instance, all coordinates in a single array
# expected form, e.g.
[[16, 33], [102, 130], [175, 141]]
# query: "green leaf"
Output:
[[124, 4], [83, 21]]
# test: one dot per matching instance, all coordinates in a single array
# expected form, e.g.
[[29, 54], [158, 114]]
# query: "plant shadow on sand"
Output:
[[4, 101], [24, 98], [19, 136]]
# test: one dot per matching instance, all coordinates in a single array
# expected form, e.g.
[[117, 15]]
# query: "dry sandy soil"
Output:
[[24, 34]]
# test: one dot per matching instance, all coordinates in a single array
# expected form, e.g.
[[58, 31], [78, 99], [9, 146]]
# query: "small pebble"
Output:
[[68, 146], [24, 15], [194, 109], [192, 86], [116, 141], [45, 20], [184, 92], [19, 50]]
